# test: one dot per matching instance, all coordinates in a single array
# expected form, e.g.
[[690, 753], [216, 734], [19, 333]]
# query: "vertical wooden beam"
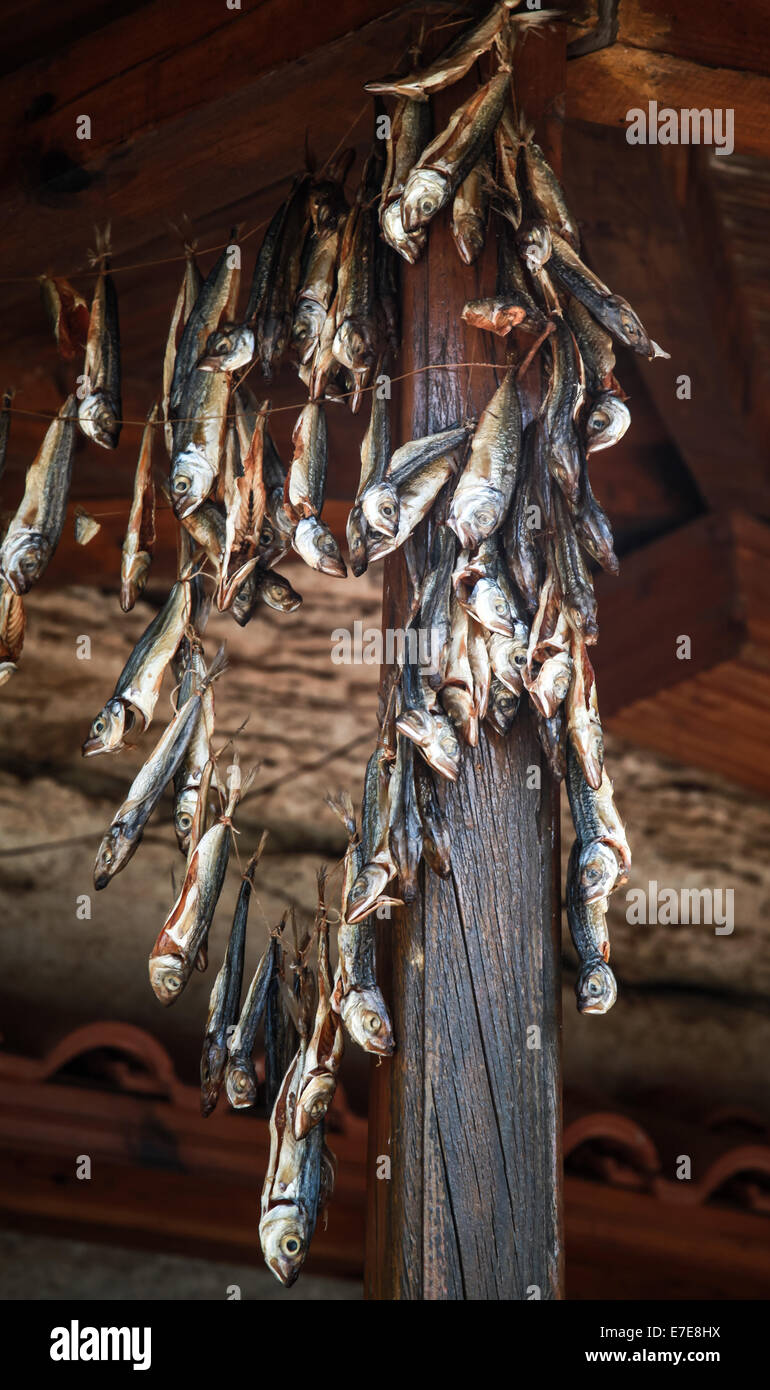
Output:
[[468, 1111]]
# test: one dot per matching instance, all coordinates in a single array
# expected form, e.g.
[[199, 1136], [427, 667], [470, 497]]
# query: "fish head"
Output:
[[241, 1083], [476, 512], [353, 345], [277, 593], [97, 418], [7, 669], [229, 348], [488, 604], [628, 325], [503, 706], [168, 977], [309, 320], [285, 1236], [607, 423], [192, 478], [110, 856], [109, 728], [314, 1103], [552, 684], [596, 988], [24, 556], [593, 753], [185, 807], [213, 1061], [369, 885], [416, 724], [469, 238], [425, 193], [355, 531], [534, 243], [318, 548], [508, 658], [380, 507], [597, 871], [443, 751], [410, 245], [366, 1019]]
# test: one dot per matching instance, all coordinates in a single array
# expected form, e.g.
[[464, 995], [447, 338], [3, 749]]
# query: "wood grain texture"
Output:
[[468, 1113]]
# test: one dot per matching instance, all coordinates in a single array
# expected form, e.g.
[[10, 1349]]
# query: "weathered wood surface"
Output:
[[467, 1111]]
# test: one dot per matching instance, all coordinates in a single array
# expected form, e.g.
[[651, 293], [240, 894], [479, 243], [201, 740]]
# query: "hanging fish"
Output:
[[323, 1056], [189, 784], [483, 493], [595, 988], [356, 338], [139, 543], [583, 722], [357, 997], [215, 296], [409, 134], [35, 530], [125, 833], [610, 309], [241, 1077], [469, 210], [226, 994], [380, 500], [67, 313], [281, 1037], [378, 866], [457, 59], [606, 422], [450, 157], [186, 928], [138, 685], [189, 290], [545, 190], [99, 412], [297, 1188]]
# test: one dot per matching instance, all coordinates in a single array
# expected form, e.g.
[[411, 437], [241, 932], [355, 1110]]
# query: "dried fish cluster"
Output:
[[498, 523]]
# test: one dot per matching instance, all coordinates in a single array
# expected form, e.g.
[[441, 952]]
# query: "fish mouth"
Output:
[[440, 762], [329, 564], [100, 881], [377, 887], [92, 746], [384, 1047], [287, 1277], [185, 505]]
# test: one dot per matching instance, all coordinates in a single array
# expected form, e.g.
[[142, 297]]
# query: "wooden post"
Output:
[[468, 1111]]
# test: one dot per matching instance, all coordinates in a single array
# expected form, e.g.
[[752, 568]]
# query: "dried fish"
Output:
[[241, 1077], [190, 288], [596, 988], [186, 928], [610, 309], [450, 157], [139, 543], [324, 1050], [189, 785], [299, 1182], [454, 62], [218, 291], [12, 628], [276, 310], [99, 412], [606, 422], [226, 995], [583, 723], [409, 134], [545, 190], [357, 997], [485, 487], [35, 530]]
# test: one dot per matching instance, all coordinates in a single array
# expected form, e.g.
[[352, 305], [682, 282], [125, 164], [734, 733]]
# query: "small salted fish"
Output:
[[35, 530], [479, 592], [502, 708], [139, 542], [375, 455], [189, 785], [508, 658], [226, 995], [316, 291], [357, 997], [507, 147], [268, 587], [380, 497], [606, 422], [199, 435], [545, 190], [578, 600], [597, 871], [566, 392], [450, 157], [583, 723], [86, 526], [67, 313], [469, 210], [213, 300], [356, 335], [241, 1077], [244, 500], [429, 728], [523, 525], [315, 543], [593, 529], [594, 813], [324, 1050], [409, 134], [498, 314], [511, 286], [436, 842], [594, 345], [456, 694], [595, 988], [99, 412], [189, 290], [298, 1184], [306, 482], [12, 626], [454, 62], [186, 928], [124, 835], [138, 685], [610, 309], [378, 865], [275, 314], [281, 1036], [485, 488], [415, 499], [228, 349]]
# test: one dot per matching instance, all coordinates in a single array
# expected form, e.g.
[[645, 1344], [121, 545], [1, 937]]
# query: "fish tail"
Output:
[[100, 257], [526, 129], [217, 668], [256, 856], [342, 806]]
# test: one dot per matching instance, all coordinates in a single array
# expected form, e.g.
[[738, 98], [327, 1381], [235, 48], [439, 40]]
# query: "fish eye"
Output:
[[318, 1107], [184, 821], [181, 484], [107, 856], [267, 534], [99, 726], [372, 1023], [28, 562], [172, 983], [291, 1245], [500, 606], [329, 545], [387, 509], [426, 205], [520, 659], [594, 987]]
